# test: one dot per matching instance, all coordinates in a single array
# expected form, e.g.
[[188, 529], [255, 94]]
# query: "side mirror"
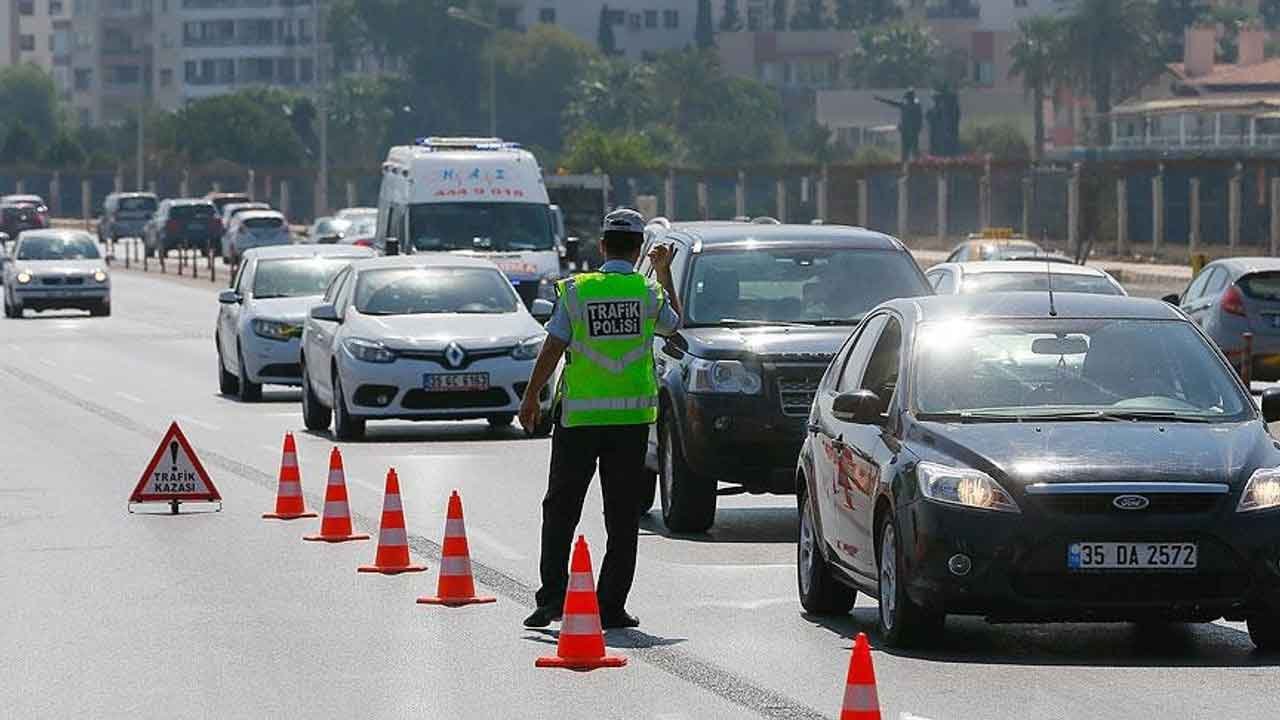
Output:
[[861, 407], [1172, 299], [229, 297], [572, 249], [1271, 405], [542, 309], [326, 312]]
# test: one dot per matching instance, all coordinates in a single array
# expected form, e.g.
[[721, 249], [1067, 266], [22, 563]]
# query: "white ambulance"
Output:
[[472, 196]]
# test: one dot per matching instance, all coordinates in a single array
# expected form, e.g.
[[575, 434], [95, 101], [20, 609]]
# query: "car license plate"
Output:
[[195, 227], [1136, 556], [456, 382]]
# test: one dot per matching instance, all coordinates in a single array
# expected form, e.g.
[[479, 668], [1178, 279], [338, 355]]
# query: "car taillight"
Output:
[[171, 227], [1233, 301], [363, 242]]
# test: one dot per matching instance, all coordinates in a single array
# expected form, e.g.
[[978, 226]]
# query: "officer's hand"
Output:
[[661, 256], [530, 412]]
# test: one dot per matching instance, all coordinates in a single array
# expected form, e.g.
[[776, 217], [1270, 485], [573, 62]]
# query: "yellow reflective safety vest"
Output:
[[608, 377]]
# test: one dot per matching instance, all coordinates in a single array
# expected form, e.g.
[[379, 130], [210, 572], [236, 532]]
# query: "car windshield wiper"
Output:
[[1170, 415], [970, 416], [833, 322], [762, 323]]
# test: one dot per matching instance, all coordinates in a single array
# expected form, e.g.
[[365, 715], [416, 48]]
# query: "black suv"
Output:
[[766, 307], [182, 223]]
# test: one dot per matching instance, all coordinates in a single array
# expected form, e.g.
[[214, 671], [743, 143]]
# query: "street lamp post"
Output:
[[322, 176], [461, 15]]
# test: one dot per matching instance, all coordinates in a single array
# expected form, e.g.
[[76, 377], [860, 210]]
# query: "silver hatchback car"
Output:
[[1235, 296]]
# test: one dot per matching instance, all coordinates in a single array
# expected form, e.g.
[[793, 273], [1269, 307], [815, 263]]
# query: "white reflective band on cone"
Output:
[[290, 461], [393, 537], [454, 528], [861, 698], [580, 625], [455, 566], [392, 502], [336, 477], [639, 403], [336, 508], [581, 582], [290, 489]]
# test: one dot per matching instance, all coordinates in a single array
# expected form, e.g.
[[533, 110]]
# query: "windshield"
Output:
[[332, 226], [480, 226], [295, 277], [1007, 249], [136, 204], [1043, 368], [1261, 286], [183, 212], [57, 247], [264, 223], [1032, 281], [223, 201], [417, 291], [805, 285], [360, 227]]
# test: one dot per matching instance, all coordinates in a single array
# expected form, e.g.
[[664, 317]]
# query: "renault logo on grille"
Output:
[[1131, 502], [454, 355]]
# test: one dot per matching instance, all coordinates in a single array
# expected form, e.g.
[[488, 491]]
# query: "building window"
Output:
[[509, 18], [26, 7], [55, 7], [634, 21], [123, 75], [983, 73], [651, 18], [547, 15], [27, 43], [166, 77], [615, 17], [84, 78], [671, 18], [1019, 3]]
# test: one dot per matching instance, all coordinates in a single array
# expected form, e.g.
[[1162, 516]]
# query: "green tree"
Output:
[[1270, 12], [731, 18], [704, 35], [811, 15], [614, 94], [20, 145], [739, 121], [1110, 48], [779, 15], [539, 71], [855, 14], [594, 150], [1231, 19], [1035, 60], [27, 97], [64, 152], [605, 40], [1173, 17], [893, 56], [249, 127], [1001, 140]]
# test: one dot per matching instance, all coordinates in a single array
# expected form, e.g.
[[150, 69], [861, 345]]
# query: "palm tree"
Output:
[[1035, 60], [1109, 47]]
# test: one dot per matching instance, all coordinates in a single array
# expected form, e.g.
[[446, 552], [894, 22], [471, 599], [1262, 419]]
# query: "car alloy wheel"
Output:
[[345, 427], [820, 592], [902, 622], [806, 548], [688, 499], [228, 384], [314, 414], [889, 578], [249, 391]]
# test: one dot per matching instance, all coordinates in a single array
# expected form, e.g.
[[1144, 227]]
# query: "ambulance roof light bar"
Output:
[[465, 143]]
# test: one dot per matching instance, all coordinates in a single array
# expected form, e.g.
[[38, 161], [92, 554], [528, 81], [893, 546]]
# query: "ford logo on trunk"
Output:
[[1131, 502]]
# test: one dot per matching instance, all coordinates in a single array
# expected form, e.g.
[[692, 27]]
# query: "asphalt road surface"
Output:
[[225, 615]]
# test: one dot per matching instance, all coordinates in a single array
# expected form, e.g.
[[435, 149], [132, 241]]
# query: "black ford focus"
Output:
[[1093, 459]]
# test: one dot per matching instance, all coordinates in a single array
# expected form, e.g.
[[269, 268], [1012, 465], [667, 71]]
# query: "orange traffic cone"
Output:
[[335, 526], [581, 644], [393, 541], [860, 700], [456, 586], [289, 502]]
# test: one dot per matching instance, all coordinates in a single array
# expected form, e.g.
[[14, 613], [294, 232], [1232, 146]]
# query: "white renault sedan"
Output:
[[260, 317], [56, 270], [423, 337]]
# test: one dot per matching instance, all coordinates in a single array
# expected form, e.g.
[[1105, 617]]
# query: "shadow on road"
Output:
[[629, 639], [734, 525], [973, 640], [431, 432]]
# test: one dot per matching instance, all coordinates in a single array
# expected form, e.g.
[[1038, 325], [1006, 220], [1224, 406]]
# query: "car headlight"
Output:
[[528, 348], [1262, 491], [276, 330], [547, 288], [964, 487], [24, 277], [723, 376], [369, 350], [100, 276]]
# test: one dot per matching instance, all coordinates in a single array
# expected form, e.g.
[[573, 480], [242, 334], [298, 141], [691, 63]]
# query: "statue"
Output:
[[910, 118], [944, 123]]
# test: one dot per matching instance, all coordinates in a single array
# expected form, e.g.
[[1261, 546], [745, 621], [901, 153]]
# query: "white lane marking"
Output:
[[131, 398], [47, 363], [82, 378], [909, 716], [198, 423], [289, 414], [745, 604]]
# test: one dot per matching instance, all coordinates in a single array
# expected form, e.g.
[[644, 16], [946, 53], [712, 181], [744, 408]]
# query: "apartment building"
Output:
[[641, 28], [168, 52], [8, 34]]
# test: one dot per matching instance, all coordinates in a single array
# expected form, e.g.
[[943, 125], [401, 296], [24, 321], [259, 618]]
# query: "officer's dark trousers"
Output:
[[620, 450]]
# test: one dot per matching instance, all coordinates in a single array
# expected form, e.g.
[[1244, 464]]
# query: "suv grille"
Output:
[[797, 385]]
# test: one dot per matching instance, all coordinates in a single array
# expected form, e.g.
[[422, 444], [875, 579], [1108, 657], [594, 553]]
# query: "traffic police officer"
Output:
[[608, 398]]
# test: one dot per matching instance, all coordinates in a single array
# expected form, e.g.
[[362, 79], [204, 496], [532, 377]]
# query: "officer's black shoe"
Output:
[[542, 617], [618, 620]]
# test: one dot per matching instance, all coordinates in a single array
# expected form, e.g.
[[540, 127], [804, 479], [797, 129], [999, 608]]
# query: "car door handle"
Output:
[[814, 428]]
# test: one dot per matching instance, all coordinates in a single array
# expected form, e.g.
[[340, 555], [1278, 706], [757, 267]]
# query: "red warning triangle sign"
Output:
[[174, 473]]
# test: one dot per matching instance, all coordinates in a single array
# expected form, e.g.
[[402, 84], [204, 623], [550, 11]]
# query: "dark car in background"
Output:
[[183, 223], [1026, 458], [126, 214], [22, 212], [766, 306], [1231, 297]]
